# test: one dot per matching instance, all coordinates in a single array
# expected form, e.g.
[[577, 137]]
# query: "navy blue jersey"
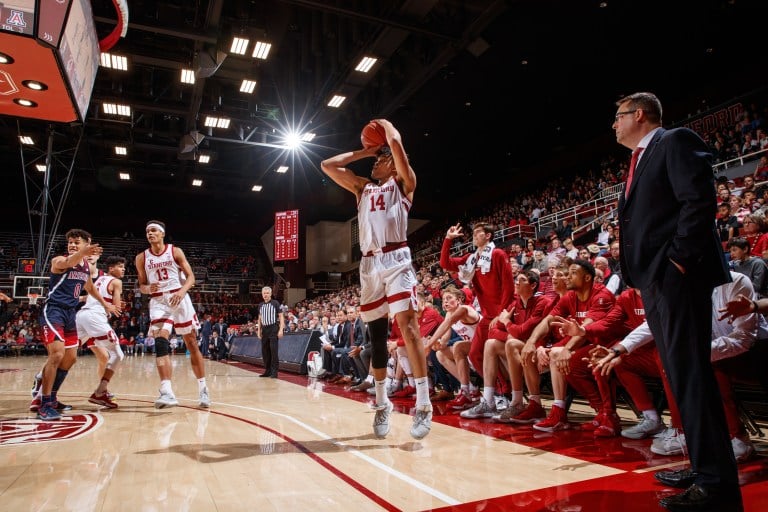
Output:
[[64, 289]]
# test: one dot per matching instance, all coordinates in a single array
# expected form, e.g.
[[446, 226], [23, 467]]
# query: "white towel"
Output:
[[480, 259]]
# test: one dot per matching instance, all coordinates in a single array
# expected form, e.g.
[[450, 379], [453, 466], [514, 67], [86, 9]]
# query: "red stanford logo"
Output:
[[28, 430]]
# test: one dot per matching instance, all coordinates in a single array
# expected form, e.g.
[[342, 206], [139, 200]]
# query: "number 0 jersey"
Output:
[[64, 289]]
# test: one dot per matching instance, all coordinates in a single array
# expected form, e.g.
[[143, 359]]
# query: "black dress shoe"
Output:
[[265, 374], [701, 498], [273, 375], [681, 478]]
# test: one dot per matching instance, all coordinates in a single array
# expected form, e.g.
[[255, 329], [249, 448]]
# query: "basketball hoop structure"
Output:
[[33, 299]]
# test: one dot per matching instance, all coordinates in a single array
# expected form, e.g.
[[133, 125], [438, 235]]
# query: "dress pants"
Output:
[[269, 352], [678, 309]]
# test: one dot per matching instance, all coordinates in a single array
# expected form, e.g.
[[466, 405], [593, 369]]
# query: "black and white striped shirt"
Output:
[[268, 313]]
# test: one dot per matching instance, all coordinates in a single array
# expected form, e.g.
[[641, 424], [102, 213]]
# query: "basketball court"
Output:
[[295, 443]]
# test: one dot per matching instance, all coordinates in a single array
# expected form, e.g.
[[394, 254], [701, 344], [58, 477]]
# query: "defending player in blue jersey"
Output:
[[69, 275]]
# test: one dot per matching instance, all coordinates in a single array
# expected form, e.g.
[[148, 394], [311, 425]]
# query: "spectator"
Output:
[[140, 343], [206, 329], [737, 208], [753, 267], [761, 171], [603, 236], [539, 263], [611, 281], [614, 261], [594, 251], [570, 250], [149, 343], [341, 342], [727, 225], [360, 368], [755, 231], [222, 347], [565, 230], [748, 185]]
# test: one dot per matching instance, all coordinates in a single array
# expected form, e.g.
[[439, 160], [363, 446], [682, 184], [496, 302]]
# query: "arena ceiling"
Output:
[[485, 93]]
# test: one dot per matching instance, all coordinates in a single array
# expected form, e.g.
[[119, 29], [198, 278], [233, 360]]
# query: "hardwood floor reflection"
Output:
[[294, 443]]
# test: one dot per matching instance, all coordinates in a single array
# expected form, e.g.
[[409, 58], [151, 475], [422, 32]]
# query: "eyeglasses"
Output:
[[619, 114]]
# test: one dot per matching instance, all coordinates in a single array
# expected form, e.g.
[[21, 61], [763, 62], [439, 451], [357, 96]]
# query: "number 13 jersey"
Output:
[[162, 269]]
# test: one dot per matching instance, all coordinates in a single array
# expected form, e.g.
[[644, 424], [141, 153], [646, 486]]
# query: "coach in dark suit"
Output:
[[670, 251]]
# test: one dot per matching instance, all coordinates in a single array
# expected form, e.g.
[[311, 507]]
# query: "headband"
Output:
[[156, 226]]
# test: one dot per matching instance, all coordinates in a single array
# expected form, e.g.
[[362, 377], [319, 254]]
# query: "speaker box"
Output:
[[292, 350]]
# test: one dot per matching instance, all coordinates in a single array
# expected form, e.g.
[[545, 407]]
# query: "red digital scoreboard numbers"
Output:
[[26, 266], [287, 235]]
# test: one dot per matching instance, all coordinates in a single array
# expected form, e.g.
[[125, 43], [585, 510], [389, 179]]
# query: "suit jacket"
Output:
[[221, 328], [206, 328], [340, 337], [670, 213], [359, 332]]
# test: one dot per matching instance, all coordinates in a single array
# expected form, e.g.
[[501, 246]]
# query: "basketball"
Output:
[[373, 135]]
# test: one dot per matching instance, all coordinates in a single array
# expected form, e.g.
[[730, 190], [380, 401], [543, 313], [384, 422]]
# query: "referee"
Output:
[[269, 329]]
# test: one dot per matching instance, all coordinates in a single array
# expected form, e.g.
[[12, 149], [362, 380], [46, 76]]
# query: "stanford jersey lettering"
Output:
[[151, 264], [378, 190]]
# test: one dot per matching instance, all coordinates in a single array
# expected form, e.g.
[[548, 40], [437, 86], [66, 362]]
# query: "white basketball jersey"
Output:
[[162, 269], [102, 285], [382, 215], [466, 331]]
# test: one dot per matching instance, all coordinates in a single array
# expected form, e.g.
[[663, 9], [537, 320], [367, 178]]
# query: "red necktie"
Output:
[[632, 164]]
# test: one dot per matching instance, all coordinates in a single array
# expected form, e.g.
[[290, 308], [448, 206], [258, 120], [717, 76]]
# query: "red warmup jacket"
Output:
[[596, 307], [493, 290], [626, 314], [429, 320]]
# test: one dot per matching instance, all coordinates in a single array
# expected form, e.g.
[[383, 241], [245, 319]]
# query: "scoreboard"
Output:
[[287, 235], [26, 266]]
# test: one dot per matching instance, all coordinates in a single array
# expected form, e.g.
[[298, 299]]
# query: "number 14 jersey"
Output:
[[382, 215]]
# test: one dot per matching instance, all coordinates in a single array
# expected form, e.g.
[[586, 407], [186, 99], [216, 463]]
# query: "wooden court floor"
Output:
[[294, 443]]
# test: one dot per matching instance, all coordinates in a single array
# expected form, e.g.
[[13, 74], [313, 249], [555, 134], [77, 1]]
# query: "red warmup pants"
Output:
[[725, 369], [645, 362], [478, 344], [476, 348], [587, 384], [632, 371]]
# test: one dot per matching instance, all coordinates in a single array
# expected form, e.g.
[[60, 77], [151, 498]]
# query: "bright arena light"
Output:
[[292, 140]]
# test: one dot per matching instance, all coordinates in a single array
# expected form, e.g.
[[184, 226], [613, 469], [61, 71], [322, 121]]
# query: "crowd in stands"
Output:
[[225, 261]]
